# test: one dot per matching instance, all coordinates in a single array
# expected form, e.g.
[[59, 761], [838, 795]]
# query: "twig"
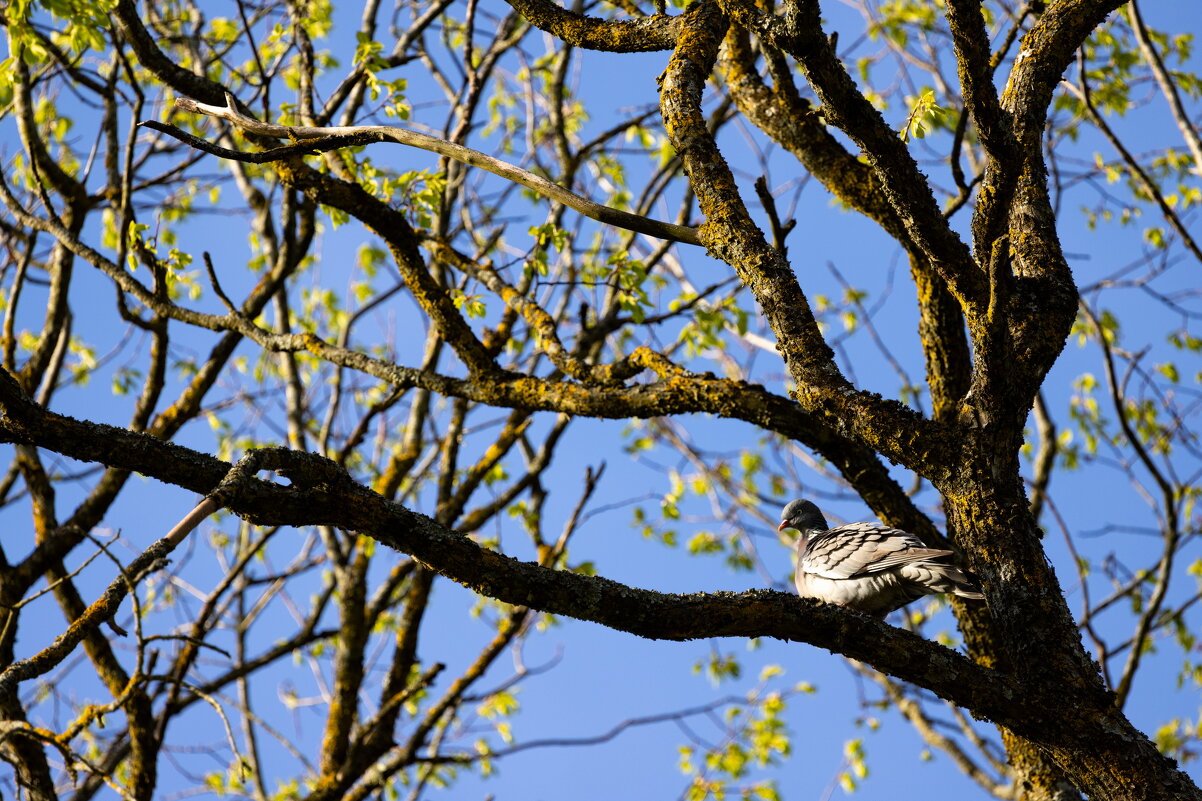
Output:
[[225, 301]]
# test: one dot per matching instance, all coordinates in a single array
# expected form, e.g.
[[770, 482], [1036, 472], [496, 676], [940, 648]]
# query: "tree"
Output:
[[538, 309]]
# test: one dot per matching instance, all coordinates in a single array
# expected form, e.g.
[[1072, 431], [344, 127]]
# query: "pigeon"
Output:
[[867, 566]]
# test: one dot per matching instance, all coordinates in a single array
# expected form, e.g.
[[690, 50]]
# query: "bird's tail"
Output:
[[961, 582]]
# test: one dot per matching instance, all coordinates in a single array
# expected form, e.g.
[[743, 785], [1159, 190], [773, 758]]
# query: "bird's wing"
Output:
[[858, 549]]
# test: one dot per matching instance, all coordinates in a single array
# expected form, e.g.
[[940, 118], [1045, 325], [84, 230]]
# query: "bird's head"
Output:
[[803, 516]]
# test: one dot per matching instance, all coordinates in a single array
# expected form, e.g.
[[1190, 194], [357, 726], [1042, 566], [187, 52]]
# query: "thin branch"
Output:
[[106, 606], [321, 139], [1138, 173], [1168, 87], [1171, 531]]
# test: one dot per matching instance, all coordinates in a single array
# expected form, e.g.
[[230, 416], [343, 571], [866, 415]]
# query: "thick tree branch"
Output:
[[993, 124], [799, 33], [322, 494], [1033, 298], [799, 130], [616, 36], [730, 233], [974, 64], [1044, 54]]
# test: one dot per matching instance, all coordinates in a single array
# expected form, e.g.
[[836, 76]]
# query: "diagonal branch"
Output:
[[1139, 175], [104, 607], [677, 392], [1044, 54], [1168, 86], [785, 117], [320, 139]]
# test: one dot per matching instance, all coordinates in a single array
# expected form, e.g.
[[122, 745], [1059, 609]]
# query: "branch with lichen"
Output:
[[886, 426], [322, 493]]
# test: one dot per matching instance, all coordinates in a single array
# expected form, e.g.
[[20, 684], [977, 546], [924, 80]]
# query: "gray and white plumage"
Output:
[[867, 566]]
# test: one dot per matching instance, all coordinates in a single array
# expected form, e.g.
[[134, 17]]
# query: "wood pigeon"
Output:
[[868, 566]]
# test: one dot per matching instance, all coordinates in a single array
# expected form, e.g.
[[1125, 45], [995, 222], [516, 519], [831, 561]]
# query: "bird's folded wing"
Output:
[[862, 548]]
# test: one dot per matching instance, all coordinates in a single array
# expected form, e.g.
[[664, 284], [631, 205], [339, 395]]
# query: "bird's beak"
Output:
[[784, 524]]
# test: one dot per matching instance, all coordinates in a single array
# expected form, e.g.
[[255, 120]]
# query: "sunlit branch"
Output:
[[821, 388], [1000, 787], [1167, 86], [106, 606], [321, 493], [651, 33], [315, 139]]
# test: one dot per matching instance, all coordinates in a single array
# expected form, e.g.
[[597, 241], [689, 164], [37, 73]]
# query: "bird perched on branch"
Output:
[[867, 566]]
